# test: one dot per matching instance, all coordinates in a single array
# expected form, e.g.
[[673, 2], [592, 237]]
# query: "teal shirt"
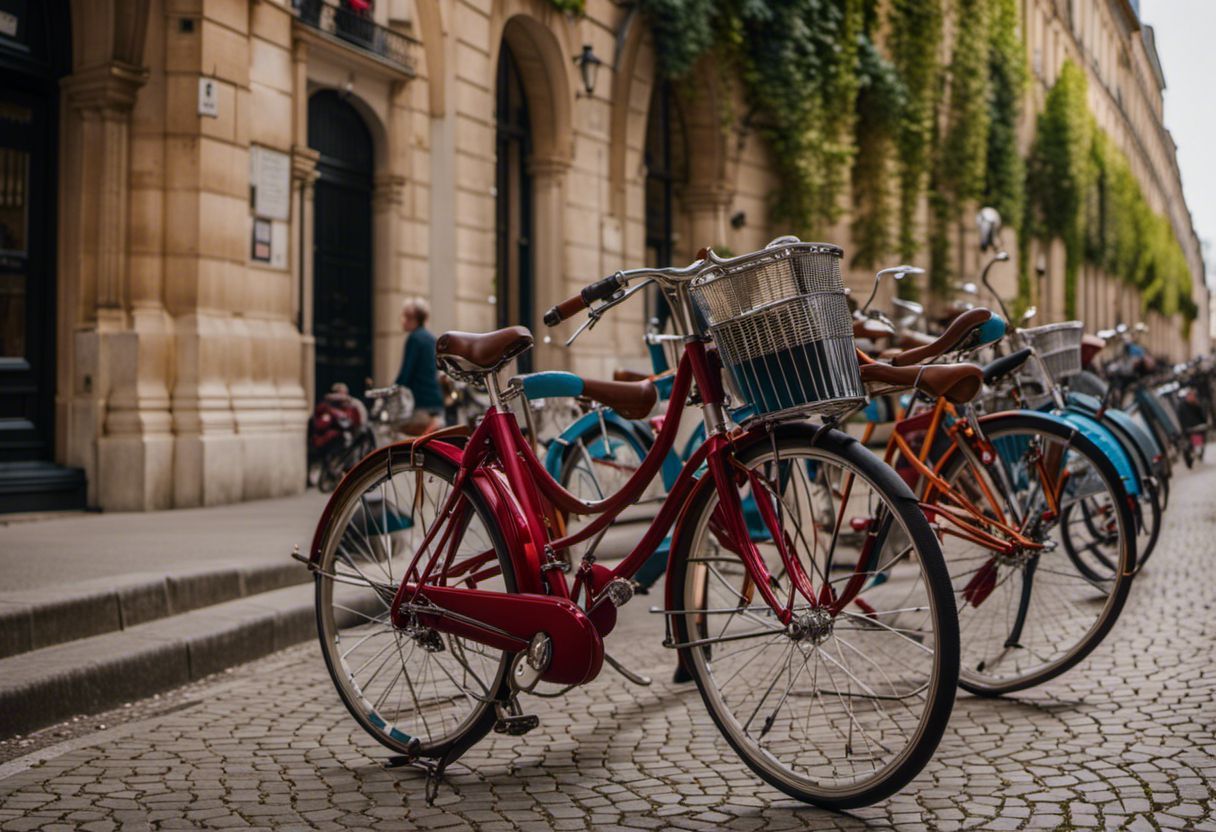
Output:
[[418, 371]]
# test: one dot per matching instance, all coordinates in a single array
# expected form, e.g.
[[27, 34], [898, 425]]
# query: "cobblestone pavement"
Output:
[[1127, 740]]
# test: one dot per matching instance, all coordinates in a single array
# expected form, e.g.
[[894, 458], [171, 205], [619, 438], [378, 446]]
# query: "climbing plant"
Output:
[[880, 102], [1081, 189], [1060, 172], [570, 6], [916, 32], [1004, 176], [798, 60], [960, 163]]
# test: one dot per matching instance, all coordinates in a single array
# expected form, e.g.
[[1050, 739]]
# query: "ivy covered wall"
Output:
[[1081, 190], [888, 107]]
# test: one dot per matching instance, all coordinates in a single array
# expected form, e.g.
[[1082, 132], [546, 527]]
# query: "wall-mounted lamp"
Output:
[[588, 66], [738, 220]]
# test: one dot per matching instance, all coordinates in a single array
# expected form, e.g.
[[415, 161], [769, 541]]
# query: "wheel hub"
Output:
[[814, 625]]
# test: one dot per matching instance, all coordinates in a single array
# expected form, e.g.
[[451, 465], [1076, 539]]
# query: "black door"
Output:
[[342, 244], [513, 222], [664, 172], [26, 281], [660, 178], [34, 54]]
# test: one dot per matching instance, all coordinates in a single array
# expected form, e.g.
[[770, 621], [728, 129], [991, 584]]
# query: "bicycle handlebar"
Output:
[[599, 290], [607, 287]]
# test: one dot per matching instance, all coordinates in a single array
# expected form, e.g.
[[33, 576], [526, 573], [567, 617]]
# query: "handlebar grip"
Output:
[[600, 289], [565, 309]]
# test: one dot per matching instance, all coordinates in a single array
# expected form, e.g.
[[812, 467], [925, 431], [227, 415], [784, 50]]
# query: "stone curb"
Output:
[[41, 687], [39, 618]]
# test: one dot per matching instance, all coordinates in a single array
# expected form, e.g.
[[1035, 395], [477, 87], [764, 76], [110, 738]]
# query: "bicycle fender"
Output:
[[742, 444], [1140, 443], [1144, 439], [1101, 436], [1154, 409], [586, 428], [432, 444]]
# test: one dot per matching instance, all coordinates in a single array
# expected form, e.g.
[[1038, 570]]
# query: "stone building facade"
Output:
[[1126, 85], [238, 194]]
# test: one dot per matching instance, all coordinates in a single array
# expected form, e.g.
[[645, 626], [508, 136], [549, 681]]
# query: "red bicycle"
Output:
[[824, 641]]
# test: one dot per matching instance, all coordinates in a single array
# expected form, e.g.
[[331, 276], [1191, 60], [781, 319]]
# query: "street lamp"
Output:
[[588, 66]]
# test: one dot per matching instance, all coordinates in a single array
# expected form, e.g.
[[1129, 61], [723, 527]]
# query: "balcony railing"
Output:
[[339, 21]]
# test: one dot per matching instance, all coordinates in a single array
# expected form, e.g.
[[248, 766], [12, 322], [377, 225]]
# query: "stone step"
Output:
[[42, 687], [38, 618]]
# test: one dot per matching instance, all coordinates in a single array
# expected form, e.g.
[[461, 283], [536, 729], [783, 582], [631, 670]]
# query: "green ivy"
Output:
[[1060, 172], [1081, 189], [798, 61], [916, 32], [571, 6], [1005, 174], [880, 101], [960, 166]]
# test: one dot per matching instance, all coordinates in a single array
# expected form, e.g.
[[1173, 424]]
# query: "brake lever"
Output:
[[594, 313], [593, 317]]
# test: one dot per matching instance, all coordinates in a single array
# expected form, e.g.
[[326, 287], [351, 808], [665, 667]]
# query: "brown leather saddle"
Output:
[[957, 383], [479, 353]]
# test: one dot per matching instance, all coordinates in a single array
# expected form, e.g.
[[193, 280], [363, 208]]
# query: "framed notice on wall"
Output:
[[270, 183], [262, 239]]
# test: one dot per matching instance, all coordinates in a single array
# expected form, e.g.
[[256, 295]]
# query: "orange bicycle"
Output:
[[1013, 496]]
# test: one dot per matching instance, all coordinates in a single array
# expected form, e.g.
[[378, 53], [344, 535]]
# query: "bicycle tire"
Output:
[[835, 445], [1025, 422]]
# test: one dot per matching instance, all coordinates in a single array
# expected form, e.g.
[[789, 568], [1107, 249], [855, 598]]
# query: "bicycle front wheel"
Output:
[[1028, 614], [846, 704]]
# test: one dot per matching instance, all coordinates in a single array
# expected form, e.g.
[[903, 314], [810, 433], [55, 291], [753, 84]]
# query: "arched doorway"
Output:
[[342, 243], [666, 169], [513, 284]]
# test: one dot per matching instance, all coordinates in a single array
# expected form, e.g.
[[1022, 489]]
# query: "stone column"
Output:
[[388, 285], [707, 207], [118, 419], [548, 175], [304, 178]]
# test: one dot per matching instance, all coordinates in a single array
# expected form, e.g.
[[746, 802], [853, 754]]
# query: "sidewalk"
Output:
[[101, 609], [41, 552]]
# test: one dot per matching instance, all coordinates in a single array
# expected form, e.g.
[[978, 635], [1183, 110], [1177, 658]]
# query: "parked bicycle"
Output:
[[827, 654]]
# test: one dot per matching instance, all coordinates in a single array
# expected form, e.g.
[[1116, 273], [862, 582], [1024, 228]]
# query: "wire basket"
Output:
[[1059, 346], [783, 328]]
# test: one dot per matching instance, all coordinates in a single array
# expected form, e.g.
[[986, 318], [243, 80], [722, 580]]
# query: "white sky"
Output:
[[1185, 30]]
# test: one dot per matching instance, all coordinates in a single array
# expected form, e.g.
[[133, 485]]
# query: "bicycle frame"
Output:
[[529, 499], [967, 521]]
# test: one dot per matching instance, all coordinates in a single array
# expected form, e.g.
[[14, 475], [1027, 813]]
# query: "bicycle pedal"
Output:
[[516, 725]]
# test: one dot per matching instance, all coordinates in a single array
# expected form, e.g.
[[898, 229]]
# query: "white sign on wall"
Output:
[[270, 183], [208, 100]]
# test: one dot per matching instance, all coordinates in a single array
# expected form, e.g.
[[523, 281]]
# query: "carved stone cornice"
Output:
[[388, 189], [542, 167], [108, 88], [304, 164], [705, 197]]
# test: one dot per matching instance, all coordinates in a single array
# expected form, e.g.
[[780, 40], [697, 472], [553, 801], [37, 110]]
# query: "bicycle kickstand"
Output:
[[636, 678], [434, 769]]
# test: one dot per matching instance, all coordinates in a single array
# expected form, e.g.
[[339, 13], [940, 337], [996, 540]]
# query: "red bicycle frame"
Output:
[[528, 503]]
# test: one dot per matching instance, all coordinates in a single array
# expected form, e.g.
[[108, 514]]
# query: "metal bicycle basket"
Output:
[[1059, 347], [783, 328]]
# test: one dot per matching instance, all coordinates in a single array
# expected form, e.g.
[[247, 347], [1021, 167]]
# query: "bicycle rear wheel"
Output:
[[842, 708], [1029, 615], [415, 690]]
